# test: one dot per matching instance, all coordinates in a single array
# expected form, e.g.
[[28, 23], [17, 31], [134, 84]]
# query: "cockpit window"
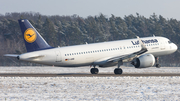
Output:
[[169, 42]]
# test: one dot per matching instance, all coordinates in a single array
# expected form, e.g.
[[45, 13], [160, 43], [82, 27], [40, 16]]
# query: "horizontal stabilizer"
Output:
[[11, 55]]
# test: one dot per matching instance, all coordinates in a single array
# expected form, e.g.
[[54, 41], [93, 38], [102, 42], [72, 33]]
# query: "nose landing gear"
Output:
[[157, 62]]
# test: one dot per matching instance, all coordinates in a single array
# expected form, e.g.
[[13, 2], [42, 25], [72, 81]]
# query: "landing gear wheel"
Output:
[[158, 65], [94, 70], [118, 71]]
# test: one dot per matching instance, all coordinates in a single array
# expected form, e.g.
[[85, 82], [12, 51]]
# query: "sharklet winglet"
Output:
[[141, 43]]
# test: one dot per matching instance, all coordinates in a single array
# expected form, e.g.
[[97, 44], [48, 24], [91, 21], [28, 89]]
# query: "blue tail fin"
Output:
[[33, 40]]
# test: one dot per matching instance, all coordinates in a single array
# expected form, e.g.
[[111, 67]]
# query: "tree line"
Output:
[[73, 30]]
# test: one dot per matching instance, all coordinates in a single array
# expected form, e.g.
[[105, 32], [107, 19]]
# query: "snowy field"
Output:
[[88, 88], [56, 70]]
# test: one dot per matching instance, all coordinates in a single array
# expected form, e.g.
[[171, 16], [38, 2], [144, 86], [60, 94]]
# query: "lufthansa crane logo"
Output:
[[30, 35]]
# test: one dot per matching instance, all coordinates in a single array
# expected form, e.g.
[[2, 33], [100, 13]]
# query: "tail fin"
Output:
[[33, 40]]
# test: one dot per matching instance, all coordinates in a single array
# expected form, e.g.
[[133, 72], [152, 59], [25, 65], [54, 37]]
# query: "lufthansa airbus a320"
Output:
[[140, 52]]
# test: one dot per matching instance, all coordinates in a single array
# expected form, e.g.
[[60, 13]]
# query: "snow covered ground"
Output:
[[88, 88], [86, 69]]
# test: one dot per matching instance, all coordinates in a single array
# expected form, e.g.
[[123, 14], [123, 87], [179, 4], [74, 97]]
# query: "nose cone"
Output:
[[174, 47]]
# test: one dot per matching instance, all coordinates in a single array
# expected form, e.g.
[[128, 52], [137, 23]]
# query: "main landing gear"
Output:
[[118, 70], [94, 70], [157, 62]]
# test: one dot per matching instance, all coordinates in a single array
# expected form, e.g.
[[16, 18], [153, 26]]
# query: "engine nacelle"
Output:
[[146, 60]]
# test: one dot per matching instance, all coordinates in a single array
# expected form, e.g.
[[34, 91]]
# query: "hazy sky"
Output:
[[84, 8]]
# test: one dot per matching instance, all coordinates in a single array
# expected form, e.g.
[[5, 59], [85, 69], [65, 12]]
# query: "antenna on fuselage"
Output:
[[154, 35]]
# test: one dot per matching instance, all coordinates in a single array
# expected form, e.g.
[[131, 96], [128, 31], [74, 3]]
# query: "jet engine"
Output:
[[146, 60]]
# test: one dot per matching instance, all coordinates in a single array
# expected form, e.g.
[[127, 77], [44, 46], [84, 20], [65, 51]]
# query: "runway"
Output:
[[82, 75]]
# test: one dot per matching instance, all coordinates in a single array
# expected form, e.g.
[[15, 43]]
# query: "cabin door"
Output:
[[162, 43], [58, 56]]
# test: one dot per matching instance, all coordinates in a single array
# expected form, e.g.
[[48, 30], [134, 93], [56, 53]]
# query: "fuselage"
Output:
[[90, 54]]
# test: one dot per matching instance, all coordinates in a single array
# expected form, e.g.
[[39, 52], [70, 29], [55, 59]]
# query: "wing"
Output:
[[125, 57], [131, 55]]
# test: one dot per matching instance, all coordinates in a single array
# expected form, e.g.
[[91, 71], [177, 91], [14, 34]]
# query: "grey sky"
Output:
[[84, 8]]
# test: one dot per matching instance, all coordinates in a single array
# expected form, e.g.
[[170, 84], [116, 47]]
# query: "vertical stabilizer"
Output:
[[33, 40]]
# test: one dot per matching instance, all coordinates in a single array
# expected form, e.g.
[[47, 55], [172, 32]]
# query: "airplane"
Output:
[[140, 52]]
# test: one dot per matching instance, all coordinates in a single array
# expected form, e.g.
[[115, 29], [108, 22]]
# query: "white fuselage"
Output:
[[89, 54]]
